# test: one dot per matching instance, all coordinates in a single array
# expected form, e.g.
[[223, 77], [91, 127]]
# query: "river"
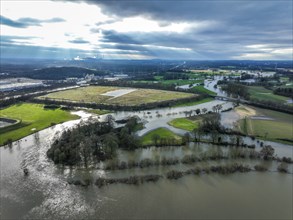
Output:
[[45, 193]]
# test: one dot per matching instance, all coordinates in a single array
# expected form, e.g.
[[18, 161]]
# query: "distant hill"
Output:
[[58, 73]]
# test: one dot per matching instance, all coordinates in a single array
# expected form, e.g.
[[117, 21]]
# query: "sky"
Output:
[[153, 29]]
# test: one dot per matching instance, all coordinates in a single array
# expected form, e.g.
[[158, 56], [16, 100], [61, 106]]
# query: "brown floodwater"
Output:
[[45, 193]]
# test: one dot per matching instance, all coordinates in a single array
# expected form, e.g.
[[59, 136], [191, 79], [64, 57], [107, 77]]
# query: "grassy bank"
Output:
[[202, 90], [33, 118], [184, 123], [194, 102], [162, 133]]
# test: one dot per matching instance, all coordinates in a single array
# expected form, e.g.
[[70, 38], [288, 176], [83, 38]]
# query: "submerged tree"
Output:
[[267, 152], [91, 142], [283, 167], [210, 122]]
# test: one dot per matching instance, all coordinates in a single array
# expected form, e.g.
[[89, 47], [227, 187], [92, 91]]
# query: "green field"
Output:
[[33, 118], [201, 89], [194, 102], [147, 139], [184, 123], [278, 129], [261, 93], [137, 97]]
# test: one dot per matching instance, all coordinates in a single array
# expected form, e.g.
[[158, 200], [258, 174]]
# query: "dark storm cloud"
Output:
[[123, 47], [213, 45], [26, 22], [115, 37], [237, 24], [239, 11]]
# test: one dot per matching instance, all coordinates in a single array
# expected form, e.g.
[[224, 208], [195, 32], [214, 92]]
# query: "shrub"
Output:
[[283, 168], [260, 168], [287, 159], [267, 152], [173, 174]]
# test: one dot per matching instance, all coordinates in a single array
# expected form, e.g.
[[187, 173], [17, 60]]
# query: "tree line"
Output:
[[93, 142]]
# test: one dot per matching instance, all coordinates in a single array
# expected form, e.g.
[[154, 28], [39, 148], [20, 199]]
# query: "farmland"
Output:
[[33, 117], [99, 94]]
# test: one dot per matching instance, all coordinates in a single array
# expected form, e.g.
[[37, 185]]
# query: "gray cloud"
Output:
[[235, 25], [79, 41], [11, 23], [26, 22], [31, 52], [10, 39], [239, 24]]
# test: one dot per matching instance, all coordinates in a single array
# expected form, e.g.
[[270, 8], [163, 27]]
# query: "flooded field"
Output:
[[45, 193], [4, 122]]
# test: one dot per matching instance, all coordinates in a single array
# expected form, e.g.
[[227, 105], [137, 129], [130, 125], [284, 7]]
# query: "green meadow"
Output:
[[261, 93], [184, 123], [33, 117]]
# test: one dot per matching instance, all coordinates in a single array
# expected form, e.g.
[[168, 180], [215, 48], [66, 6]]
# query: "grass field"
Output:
[[261, 93], [83, 94], [276, 129], [33, 118], [184, 123], [194, 102], [201, 89], [147, 139], [137, 97]]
